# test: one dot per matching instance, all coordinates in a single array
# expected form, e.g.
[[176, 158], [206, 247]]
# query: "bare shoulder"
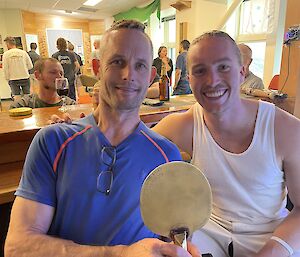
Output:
[[177, 127], [287, 133]]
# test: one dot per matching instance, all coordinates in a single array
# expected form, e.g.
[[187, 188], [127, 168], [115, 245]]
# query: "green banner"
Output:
[[140, 14]]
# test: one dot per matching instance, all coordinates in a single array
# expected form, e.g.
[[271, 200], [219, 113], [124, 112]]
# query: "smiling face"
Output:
[[215, 73], [125, 69]]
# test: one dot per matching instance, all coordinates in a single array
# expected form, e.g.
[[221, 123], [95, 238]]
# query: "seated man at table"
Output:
[[46, 71], [249, 150], [80, 189], [251, 81]]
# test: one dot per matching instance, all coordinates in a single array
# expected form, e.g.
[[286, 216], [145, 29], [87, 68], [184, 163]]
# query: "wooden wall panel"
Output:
[[96, 27], [34, 23], [292, 18]]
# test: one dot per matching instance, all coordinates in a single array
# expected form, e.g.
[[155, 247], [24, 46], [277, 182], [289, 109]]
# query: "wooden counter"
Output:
[[16, 134]]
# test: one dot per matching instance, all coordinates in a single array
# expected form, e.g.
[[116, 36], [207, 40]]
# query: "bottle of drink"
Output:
[[164, 84]]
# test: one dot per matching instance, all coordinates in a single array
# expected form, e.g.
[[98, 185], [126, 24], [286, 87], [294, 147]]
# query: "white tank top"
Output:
[[249, 187]]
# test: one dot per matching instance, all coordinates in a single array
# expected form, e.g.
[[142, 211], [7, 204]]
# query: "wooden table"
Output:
[[16, 134]]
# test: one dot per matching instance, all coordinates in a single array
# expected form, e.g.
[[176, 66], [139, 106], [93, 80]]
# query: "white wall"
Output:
[[274, 43], [201, 17]]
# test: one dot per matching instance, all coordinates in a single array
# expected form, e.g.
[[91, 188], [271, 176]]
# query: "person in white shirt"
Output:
[[16, 63]]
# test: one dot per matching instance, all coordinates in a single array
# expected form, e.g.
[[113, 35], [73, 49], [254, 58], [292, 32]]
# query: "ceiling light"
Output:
[[92, 2], [57, 22]]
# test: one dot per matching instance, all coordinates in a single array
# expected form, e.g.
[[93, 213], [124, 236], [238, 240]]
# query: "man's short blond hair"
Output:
[[39, 65], [125, 24], [219, 34]]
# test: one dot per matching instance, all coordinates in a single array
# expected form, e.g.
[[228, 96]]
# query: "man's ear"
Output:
[[243, 73], [37, 75], [153, 74], [250, 61]]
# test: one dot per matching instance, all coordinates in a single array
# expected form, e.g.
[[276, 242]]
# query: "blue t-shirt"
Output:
[[181, 65], [61, 170]]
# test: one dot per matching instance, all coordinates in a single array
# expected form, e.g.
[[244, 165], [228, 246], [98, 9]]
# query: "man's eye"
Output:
[[117, 62], [141, 66], [198, 72], [224, 67]]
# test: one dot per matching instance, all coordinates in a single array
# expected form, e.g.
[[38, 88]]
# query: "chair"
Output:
[[274, 84], [88, 82]]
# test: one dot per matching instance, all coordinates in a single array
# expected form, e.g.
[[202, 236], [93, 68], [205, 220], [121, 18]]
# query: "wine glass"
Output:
[[62, 88]]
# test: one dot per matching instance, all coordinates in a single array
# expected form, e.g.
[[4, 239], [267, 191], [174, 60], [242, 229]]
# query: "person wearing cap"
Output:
[[16, 63]]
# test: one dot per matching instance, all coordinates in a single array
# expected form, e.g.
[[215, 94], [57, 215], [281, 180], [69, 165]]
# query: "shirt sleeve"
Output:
[[5, 67], [23, 102], [180, 62], [38, 181]]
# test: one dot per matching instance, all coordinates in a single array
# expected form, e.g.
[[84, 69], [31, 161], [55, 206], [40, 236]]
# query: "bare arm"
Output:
[[178, 128], [165, 60], [30, 222], [287, 136], [153, 91], [177, 77]]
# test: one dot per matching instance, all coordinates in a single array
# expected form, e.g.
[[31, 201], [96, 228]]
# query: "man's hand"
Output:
[[157, 248], [65, 118]]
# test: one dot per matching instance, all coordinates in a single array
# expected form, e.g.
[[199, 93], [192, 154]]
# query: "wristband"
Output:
[[284, 244]]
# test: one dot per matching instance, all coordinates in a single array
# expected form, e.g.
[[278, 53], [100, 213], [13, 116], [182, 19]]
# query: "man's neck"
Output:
[[48, 96], [116, 125], [224, 121]]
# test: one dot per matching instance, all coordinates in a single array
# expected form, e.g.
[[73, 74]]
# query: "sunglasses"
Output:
[[106, 177]]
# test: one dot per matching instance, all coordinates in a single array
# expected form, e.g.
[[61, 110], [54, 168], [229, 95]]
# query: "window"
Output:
[[255, 21], [254, 16], [258, 56]]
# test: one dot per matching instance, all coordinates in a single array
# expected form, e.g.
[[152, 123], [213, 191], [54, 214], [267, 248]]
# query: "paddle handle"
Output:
[[179, 236]]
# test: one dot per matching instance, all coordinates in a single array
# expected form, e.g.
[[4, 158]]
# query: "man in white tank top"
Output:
[[249, 151]]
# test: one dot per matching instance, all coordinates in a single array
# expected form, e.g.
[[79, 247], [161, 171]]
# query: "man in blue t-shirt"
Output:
[[79, 192], [182, 85]]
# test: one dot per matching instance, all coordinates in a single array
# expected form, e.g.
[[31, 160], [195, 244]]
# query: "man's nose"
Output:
[[212, 78], [128, 72]]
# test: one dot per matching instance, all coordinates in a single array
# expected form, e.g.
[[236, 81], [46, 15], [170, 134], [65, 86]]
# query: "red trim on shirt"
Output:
[[156, 145], [65, 144]]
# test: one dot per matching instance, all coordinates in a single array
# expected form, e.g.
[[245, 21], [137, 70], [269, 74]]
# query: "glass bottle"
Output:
[[164, 84]]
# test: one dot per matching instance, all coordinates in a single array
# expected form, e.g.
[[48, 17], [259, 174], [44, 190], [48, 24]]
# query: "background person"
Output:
[[79, 60], [69, 63], [181, 85], [67, 203], [163, 58], [249, 151], [251, 81], [16, 64], [46, 71], [34, 56], [95, 58]]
